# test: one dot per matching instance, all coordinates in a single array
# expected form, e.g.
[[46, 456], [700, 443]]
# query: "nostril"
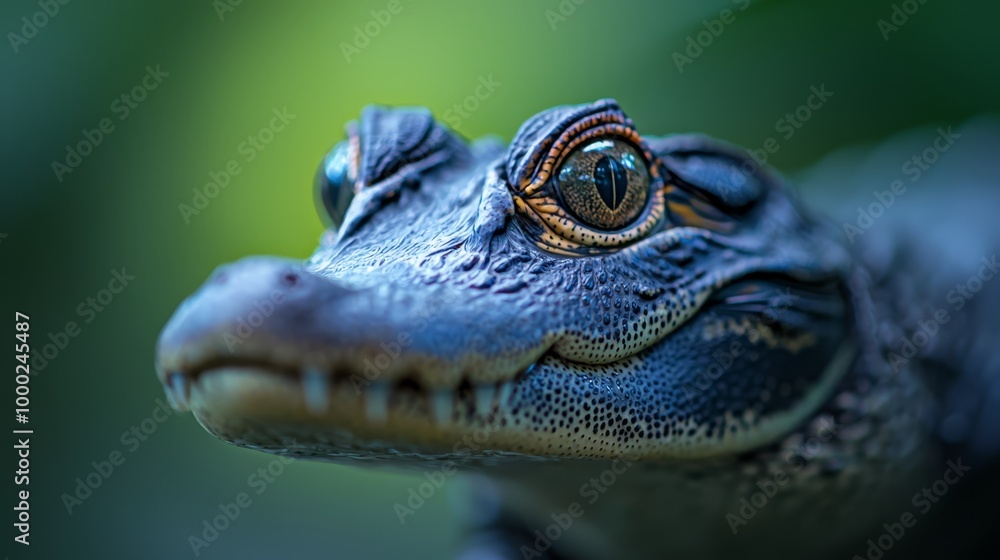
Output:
[[220, 277], [291, 279]]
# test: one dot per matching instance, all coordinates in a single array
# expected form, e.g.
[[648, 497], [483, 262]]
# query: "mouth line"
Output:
[[318, 387]]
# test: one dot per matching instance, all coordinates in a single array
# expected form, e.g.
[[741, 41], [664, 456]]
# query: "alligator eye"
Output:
[[604, 183], [589, 183], [334, 188]]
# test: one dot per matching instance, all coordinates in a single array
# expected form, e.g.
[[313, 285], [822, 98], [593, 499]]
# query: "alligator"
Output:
[[633, 346]]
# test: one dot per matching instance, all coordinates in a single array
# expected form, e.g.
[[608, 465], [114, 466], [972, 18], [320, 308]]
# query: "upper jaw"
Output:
[[279, 312], [271, 322]]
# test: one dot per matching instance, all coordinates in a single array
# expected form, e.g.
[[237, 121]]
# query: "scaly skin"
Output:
[[459, 312]]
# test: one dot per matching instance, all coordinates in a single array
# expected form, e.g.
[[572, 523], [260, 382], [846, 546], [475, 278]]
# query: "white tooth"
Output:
[[484, 398], [316, 387], [172, 401], [177, 391], [506, 390], [377, 401], [441, 404]]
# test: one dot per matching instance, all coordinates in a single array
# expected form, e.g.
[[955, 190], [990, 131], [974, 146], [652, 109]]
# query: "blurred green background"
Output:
[[228, 68]]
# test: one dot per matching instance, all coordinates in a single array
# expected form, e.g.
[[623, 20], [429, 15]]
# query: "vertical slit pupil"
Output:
[[611, 179]]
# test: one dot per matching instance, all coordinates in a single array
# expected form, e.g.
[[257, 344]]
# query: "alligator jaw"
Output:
[[313, 392], [336, 417]]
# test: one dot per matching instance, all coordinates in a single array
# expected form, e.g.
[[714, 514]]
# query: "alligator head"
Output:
[[583, 292]]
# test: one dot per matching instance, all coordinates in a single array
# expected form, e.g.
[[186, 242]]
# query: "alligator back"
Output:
[[922, 211]]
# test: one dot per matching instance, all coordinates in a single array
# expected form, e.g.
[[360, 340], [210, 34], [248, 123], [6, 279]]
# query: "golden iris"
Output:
[[604, 183]]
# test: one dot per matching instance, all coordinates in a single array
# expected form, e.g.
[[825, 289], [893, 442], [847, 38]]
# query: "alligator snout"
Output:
[[267, 310]]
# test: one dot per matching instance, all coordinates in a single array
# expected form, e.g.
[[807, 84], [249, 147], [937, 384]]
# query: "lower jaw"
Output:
[[257, 408]]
